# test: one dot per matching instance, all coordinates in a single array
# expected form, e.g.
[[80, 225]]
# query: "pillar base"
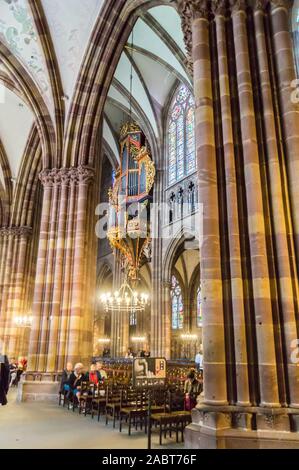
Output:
[[38, 387], [233, 427]]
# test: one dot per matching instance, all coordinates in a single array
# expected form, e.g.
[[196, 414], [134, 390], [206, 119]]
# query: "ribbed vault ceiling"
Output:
[[155, 50]]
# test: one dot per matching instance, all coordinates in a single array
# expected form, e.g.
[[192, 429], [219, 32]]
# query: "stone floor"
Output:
[[47, 426]]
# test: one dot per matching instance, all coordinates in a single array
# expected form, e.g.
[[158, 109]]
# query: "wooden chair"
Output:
[[171, 421], [134, 410], [113, 402], [98, 401], [85, 397]]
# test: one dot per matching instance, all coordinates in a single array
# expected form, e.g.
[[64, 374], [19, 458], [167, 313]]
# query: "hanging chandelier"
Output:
[[124, 300]]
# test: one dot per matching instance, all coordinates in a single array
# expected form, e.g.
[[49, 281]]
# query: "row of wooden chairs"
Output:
[[119, 402]]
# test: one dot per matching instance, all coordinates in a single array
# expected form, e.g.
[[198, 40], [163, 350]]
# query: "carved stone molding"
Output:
[[201, 8], [237, 5], [186, 13], [287, 4], [260, 5], [17, 232], [219, 7], [189, 10], [67, 176]]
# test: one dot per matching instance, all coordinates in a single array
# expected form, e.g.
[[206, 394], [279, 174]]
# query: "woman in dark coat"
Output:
[[4, 379]]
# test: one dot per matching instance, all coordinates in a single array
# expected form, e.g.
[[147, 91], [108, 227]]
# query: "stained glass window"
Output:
[[198, 305], [296, 36], [181, 137], [177, 304]]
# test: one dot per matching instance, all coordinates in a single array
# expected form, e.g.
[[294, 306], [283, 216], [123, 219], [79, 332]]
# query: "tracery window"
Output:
[[177, 304], [181, 136], [198, 307], [295, 32]]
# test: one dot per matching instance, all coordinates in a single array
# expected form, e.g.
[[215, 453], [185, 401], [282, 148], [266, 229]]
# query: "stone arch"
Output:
[[183, 235], [106, 45], [25, 84]]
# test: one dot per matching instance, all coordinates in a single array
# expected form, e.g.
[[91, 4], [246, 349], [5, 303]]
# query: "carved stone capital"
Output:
[[201, 8], [286, 4], [21, 232], [237, 5], [219, 7], [67, 176], [260, 5], [186, 12], [85, 174], [47, 177]]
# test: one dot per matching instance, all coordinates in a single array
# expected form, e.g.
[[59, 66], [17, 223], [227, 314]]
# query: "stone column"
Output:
[[37, 307], [289, 106], [256, 223], [59, 266], [236, 275], [160, 314], [59, 328], [288, 287], [67, 278], [214, 354], [15, 245], [84, 176], [16, 302], [120, 320]]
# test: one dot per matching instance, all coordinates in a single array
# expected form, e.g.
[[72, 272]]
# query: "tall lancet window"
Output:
[[181, 136], [295, 27], [198, 305], [177, 304]]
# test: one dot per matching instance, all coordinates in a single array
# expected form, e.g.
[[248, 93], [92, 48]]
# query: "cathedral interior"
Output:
[[149, 211]]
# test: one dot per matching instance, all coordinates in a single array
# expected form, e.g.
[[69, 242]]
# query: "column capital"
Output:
[[237, 5], [286, 4], [201, 8], [219, 7], [260, 5], [194, 8], [190, 10], [15, 232], [67, 176]]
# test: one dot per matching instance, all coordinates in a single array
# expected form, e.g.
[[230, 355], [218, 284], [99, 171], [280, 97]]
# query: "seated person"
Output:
[[65, 376], [93, 375], [13, 370], [102, 372], [75, 380]]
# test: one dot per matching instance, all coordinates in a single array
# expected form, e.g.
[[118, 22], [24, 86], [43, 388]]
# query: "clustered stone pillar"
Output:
[[119, 320], [237, 289], [14, 253], [60, 331], [210, 255], [247, 137], [160, 294]]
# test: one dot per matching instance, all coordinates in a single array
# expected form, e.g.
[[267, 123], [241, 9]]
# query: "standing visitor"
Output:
[[199, 361], [192, 389], [4, 379]]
